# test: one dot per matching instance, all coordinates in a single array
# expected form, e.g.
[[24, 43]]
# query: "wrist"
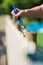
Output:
[[26, 12]]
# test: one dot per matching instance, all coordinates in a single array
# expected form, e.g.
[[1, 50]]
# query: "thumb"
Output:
[[18, 9], [19, 13]]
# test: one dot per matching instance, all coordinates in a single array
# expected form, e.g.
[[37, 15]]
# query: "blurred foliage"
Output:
[[5, 5], [40, 39]]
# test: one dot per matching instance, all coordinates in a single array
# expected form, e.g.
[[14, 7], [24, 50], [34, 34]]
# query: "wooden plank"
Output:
[[17, 45]]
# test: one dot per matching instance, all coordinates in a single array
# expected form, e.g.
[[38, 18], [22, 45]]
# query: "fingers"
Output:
[[14, 15], [19, 14]]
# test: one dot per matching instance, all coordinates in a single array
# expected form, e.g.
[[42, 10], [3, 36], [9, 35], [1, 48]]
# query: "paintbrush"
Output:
[[19, 20], [28, 36]]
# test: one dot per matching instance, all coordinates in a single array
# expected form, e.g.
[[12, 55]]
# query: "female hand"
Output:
[[20, 14]]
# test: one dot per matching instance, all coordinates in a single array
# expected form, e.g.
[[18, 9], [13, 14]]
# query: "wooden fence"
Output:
[[17, 45]]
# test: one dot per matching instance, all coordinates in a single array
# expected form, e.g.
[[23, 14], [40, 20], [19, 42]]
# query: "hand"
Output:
[[20, 14]]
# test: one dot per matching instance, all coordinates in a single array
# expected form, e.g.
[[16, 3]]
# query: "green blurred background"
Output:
[[6, 8], [5, 5]]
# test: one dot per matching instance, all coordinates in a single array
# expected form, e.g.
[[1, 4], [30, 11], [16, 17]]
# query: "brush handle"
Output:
[[19, 19]]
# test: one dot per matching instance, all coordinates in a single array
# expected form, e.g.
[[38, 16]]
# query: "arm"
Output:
[[36, 12]]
